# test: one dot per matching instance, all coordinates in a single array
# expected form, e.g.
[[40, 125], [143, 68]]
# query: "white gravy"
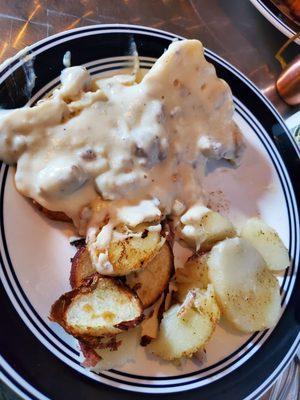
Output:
[[126, 142]]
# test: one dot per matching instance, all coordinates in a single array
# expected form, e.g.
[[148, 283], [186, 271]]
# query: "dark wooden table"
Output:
[[232, 28]]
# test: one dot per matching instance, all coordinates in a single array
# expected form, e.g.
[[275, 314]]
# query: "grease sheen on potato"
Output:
[[202, 227], [187, 327], [267, 242], [246, 290], [150, 281], [194, 274]]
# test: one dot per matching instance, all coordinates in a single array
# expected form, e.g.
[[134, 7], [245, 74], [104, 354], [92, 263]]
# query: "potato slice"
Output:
[[201, 228], [246, 290], [194, 274], [101, 306], [267, 242], [186, 328], [150, 281], [81, 267], [128, 250], [132, 253]]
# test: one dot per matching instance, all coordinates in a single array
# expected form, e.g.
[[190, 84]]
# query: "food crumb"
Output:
[[217, 201]]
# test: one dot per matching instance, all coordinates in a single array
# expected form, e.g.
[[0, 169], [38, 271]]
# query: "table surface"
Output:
[[234, 29]]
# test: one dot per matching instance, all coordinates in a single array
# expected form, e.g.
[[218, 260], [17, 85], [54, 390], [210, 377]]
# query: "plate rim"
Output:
[[278, 23], [229, 66]]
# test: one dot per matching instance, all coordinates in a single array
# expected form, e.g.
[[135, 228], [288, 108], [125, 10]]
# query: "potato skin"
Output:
[[151, 281], [54, 215], [81, 267], [60, 308]]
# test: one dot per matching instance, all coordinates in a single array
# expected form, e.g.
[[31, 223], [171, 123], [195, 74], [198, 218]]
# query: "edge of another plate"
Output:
[[275, 20]]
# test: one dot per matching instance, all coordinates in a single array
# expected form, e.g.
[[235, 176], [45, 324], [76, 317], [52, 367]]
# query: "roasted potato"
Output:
[[81, 267], [246, 291], [194, 274], [54, 215], [267, 242], [200, 228], [150, 281], [129, 249], [186, 328], [101, 306]]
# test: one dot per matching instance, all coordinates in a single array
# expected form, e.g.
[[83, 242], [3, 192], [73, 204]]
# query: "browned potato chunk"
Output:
[[128, 250], [81, 267], [194, 274], [101, 306], [152, 280], [149, 282], [132, 254]]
